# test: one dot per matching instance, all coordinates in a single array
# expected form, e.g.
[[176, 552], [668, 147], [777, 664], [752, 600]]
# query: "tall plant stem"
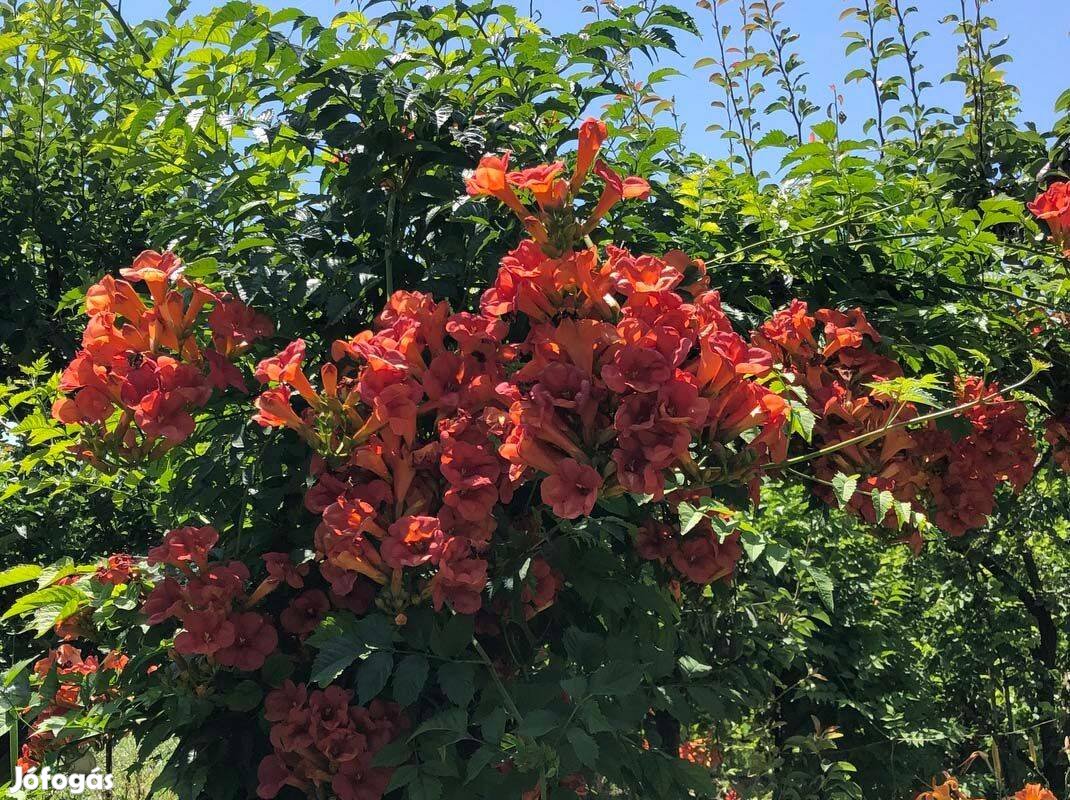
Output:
[[13, 743], [912, 70], [874, 64], [388, 252]]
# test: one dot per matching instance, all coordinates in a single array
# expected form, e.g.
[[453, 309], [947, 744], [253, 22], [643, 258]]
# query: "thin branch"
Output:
[[810, 231], [865, 438]]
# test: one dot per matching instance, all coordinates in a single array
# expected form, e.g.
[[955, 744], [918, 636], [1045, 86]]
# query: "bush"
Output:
[[589, 514]]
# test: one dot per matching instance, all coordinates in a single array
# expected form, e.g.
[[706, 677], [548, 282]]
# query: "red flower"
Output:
[[283, 570], [655, 541], [286, 368], [637, 369], [358, 780], [254, 640], [206, 633], [184, 546], [88, 405], [119, 570], [329, 709], [221, 373], [616, 189], [286, 702], [592, 135], [274, 410], [305, 612], [156, 269], [472, 498], [572, 489], [115, 661], [1053, 207], [543, 183], [166, 600], [490, 178], [282, 368], [413, 541], [460, 583], [702, 558], [540, 588], [235, 326], [271, 776]]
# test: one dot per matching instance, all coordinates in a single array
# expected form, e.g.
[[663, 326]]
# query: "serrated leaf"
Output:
[[583, 745], [338, 643], [373, 674], [19, 574], [538, 723], [882, 503], [824, 586], [493, 725], [452, 719], [59, 597], [844, 486], [753, 544], [244, 697], [689, 517], [777, 556], [409, 678], [616, 678], [479, 760], [402, 777], [458, 682]]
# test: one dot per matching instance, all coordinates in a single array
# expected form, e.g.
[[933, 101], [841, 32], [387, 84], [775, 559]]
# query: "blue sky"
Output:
[[1039, 32]]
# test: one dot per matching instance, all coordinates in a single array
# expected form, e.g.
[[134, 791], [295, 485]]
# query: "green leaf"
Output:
[[693, 667], [493, 725], [394, 754], [882, 503], [339, 645], [425, 787], [824, 586], [538, 723], [244, 697], [844, 486], [479, 760], [56, 598], [777, 556], [373, 674], [19, 574], [585, 747], [689, 517], [452, 719], [409, 679], [616, 678], [753, 544], [402, 777], [457, 681], [454, 637], [277, 668]]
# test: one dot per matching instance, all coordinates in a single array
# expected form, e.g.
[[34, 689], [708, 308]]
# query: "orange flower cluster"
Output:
[[702, 751], [144, 360], [553, 225], [210, 602], [321, 740], [77, 686], [950, 789], [1053, 208], [627, 370], [841, 372]]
